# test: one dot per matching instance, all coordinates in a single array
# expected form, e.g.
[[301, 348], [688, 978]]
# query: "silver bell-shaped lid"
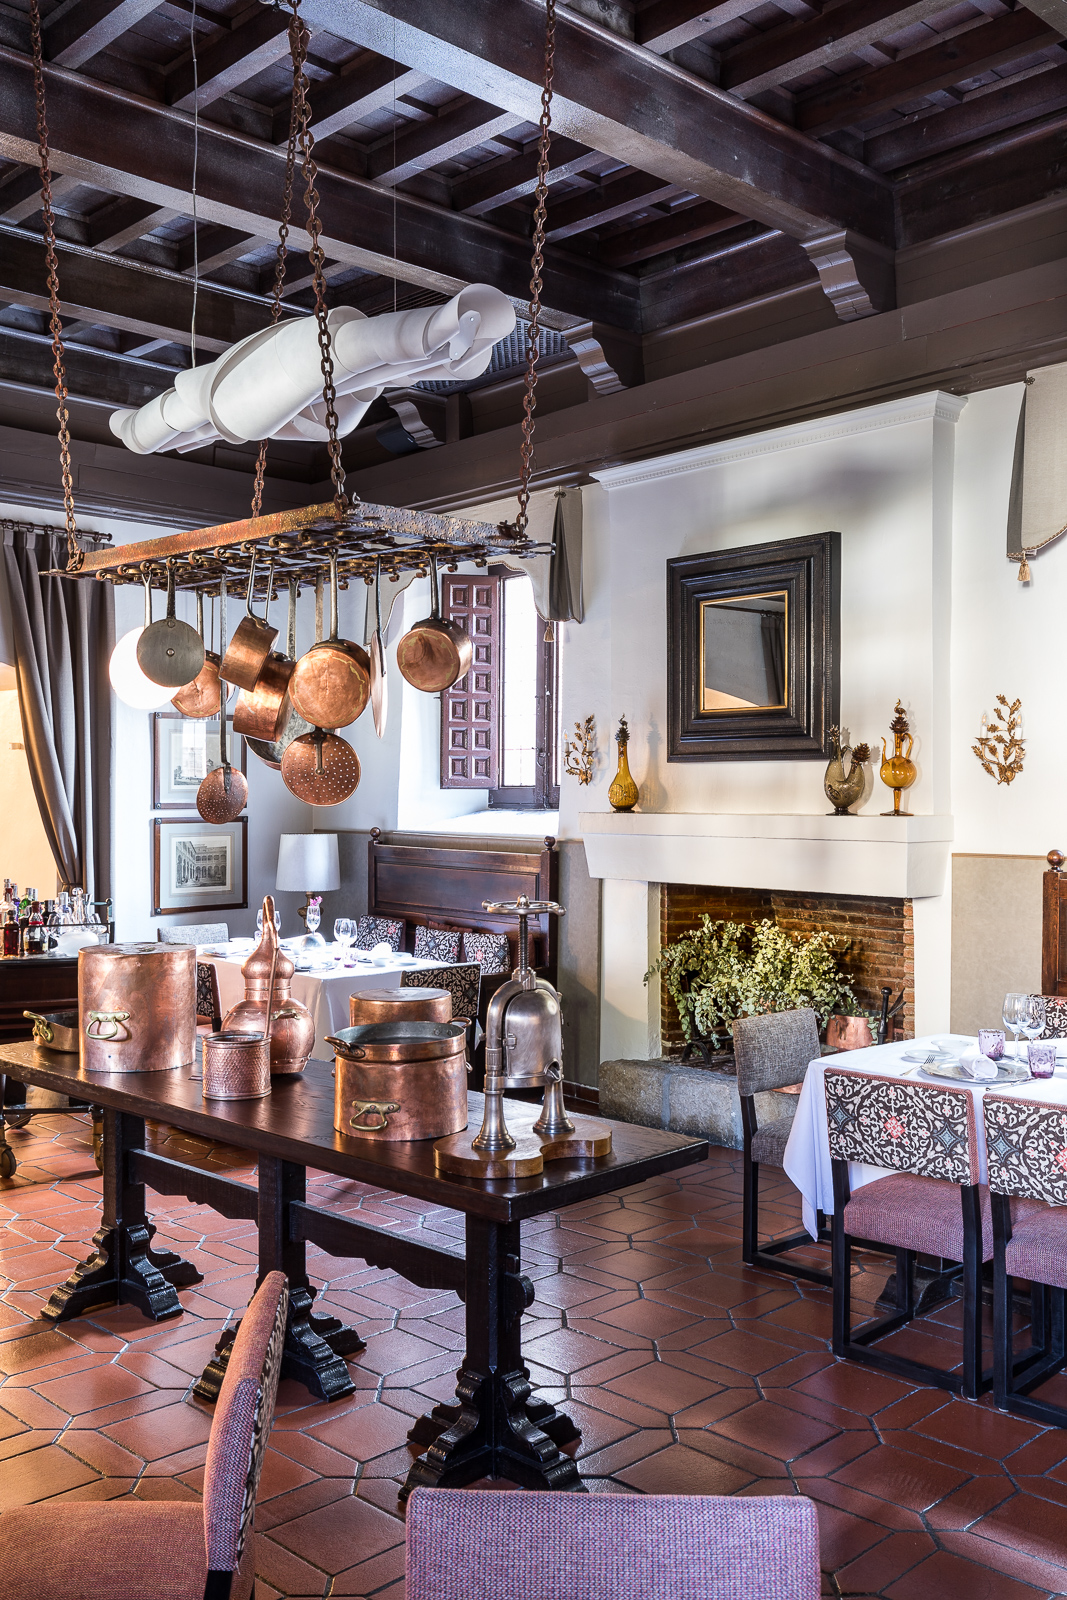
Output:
[[533, 1035]]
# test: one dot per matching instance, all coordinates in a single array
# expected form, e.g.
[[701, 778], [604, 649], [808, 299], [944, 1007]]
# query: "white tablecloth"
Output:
[[807, 1154], [324, 993]]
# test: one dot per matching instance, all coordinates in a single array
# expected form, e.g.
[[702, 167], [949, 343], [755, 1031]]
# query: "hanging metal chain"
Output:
[[533, 331], [317, 258], [298, 51], [75, 554]]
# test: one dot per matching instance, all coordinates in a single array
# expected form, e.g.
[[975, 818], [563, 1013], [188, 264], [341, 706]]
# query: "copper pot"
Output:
[[399, 1005], [136, 1007], [434, 653], [203, 696], [320, 768], [223, 794], [290, 724], [253, 637], [400, 1097], [236, 1066], [331, 683], [292, 1028]]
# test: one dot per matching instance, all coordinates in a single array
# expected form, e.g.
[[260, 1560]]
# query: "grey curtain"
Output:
[[63, 632], [565, 599]]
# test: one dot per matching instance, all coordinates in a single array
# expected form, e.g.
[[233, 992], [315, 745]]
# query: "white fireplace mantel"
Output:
[[899, 857]]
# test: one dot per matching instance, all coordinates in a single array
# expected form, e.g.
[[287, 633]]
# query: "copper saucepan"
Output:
[[331, 683], [435, 652], [223, 794], [262, 712], [169, 652], [320, 768], [293, 725], [202, 697], [252, 639], [400, 1041]]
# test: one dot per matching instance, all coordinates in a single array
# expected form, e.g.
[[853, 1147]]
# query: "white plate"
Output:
[[1007, 1072], [928, 1055], [955, 1043]]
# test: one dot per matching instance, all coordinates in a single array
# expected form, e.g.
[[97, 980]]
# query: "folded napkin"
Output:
[[975, 1065]]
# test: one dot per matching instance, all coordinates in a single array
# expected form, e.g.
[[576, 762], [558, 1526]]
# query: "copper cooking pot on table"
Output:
[[400, 1080], [263, 711], [435, 652], [202, 696], [136, 1007], [252, 640], [369, 1006], [331, 683]]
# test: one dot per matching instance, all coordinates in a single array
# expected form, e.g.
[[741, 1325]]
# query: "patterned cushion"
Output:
[[769, 1141], [194, 933], [1055, 1017], [468, 1544], [907, 1126], [1037, 1249], [1026, 1146], [437, 944], [462, 982], [243, 1417], [915, 1214], [490, 950], [107, 1550], [774, 1050], [208, 1003], [380, 930]]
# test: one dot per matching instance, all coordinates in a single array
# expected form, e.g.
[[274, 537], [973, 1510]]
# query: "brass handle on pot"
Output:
[[43, 1031], [112, 1019], [353, 1051], [371, 1108]]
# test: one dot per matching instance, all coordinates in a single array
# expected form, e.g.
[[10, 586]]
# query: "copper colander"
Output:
[[320, 768]]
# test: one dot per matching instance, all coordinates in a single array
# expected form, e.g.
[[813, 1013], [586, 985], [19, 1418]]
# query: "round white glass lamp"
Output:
[[129, 682]]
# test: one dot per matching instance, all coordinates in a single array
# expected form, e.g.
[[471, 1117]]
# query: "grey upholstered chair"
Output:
[[195, 933], [771, 1052]]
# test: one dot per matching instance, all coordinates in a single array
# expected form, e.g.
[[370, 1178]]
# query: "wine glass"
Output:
[[314, 914], [1012, 1015], [259, 922], [343, 932], [1032, 1015]]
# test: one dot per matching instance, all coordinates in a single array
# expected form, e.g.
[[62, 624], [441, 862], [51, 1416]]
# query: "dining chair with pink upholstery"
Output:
[[1026, 1148], [930, 1202], [166, 1549], [484, 1544]]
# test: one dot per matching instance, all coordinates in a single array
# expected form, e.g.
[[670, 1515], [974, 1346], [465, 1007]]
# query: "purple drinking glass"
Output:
[[1042, 1058], [991, 1043]]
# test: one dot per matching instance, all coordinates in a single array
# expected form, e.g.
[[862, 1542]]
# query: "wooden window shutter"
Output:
[[470, 710]]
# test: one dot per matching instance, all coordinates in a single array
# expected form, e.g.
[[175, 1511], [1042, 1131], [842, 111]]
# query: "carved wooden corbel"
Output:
[[857, 277]]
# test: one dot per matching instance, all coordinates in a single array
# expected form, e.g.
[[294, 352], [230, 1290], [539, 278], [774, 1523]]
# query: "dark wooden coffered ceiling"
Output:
[[708, 160]]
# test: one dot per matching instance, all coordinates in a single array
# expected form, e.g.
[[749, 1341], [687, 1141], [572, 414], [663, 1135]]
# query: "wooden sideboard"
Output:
[[35, 983]]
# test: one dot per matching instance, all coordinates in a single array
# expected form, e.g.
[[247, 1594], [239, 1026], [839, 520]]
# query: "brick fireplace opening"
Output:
[[881, 949]]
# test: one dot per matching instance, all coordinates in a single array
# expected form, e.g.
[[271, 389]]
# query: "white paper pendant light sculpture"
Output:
[[269, 386]]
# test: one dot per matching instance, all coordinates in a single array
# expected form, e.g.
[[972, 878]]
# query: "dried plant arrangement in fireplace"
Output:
[[999, 747]]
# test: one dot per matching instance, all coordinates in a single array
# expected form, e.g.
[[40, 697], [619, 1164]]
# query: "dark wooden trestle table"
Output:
[[495, 1428]]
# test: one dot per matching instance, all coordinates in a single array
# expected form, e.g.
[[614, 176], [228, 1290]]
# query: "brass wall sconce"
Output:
[[579, 754], [999, 747]]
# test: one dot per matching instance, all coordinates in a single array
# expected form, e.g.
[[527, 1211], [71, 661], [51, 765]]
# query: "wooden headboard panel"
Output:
[[1054, 927], [439, 883]]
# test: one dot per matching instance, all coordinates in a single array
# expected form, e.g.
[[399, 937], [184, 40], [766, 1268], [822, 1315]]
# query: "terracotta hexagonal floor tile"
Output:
[[678, 1470], [774, 1430], [340, 1534]]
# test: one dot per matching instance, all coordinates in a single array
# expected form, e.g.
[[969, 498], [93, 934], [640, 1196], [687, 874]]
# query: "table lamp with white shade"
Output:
[[307, 863]]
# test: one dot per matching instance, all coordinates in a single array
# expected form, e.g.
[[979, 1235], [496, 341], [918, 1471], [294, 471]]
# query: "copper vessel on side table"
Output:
[[292, 1028], [136, 1007]]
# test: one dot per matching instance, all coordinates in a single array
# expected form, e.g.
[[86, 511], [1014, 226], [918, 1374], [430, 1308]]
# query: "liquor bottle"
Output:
[[11, 931], [36, 934]]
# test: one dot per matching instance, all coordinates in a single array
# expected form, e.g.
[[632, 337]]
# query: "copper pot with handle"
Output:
[[252, 640], [400, 1080], [435, 652], [331, 684], [202, 696], [292, 724], [263, 711], [136, 1007], [223, 794], [320, 768], [369, 1006]]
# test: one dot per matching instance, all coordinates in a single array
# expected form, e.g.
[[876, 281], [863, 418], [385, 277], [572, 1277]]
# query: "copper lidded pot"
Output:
[[136, 1007], [399, 1005], [292, 1027]]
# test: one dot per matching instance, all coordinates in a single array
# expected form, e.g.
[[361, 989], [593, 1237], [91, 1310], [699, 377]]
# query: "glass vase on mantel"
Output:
[[623, 794]]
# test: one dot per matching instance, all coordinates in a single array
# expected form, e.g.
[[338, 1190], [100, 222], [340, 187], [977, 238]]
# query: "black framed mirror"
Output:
[[752, 645]]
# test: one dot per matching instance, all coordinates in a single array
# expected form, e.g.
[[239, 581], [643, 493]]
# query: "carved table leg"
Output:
[[314, 1345], [122, 1270], [493, 1434]]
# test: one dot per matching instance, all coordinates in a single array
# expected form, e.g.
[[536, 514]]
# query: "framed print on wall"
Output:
[[752, 651], [198, 866], [184, 751]]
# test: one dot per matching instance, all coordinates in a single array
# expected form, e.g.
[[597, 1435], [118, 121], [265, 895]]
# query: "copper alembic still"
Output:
[[523, 1050], [292, 1028]]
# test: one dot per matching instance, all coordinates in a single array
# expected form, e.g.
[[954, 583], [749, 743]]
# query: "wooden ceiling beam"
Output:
[[489, 188], [460, 127], [108, 377], [668, 24], [120, 143], [977, 118], [633, 191], [617, 97], [216, 247], [1020, 167], [337, 103], [81, 31], [112, 293], [238, 57], [673, 232], [123, 221], [783, 54], [853, 100]]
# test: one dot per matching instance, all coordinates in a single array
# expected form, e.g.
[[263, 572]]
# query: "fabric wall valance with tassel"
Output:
[[1037, 505]]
